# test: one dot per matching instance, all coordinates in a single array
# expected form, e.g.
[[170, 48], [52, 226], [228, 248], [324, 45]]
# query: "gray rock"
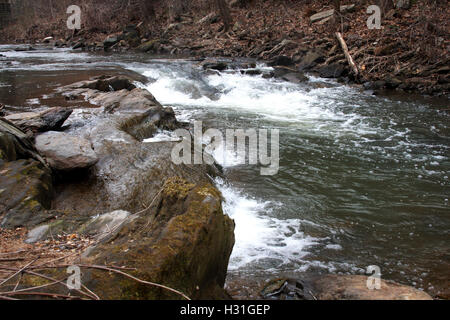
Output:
[[311, 59], [107, 225], [129, 172], [338, 287], [64, 152], [334, 70], [37, 234], [50, 119], [147, 46], [295, 77], [184, 242], [108, 84], [354, 287], [110, 41]]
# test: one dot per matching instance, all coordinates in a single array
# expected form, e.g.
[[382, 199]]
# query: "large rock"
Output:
[[147, 46], [311, 59], [109, 84], [183, 241], [281, 61], [64, 152], [50, 119], [334, 70], [338, 287], [25, 191], [111, 41], [294, 77], [129, 172], [335, 287]]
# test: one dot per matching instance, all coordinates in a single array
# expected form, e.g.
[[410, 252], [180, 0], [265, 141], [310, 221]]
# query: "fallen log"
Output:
[[347, 54]]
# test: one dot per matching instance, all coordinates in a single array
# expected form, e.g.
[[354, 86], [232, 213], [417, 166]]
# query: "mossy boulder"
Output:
[[26, 191], [183, 241], [147, 46]]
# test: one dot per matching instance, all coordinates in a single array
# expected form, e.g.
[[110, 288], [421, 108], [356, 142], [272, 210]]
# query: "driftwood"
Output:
[[347, 54]]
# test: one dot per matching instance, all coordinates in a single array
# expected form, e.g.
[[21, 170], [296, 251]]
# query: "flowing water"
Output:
[[363, 180]]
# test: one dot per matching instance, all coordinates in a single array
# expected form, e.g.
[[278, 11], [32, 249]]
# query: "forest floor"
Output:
[[410, 52]]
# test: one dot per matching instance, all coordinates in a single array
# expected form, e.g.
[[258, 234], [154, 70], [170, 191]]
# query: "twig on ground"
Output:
[[19, 271]]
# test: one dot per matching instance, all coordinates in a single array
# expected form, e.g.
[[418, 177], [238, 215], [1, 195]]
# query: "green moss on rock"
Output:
[[184, 244]]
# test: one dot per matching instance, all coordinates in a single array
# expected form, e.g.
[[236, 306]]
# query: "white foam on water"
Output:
[[259, 236], [163, 136], [33, 101], [317, 110]]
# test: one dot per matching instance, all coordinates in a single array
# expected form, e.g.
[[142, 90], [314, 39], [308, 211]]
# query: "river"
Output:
[[363, 179]]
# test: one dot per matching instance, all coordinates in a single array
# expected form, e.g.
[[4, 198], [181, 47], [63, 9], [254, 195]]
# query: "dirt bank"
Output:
[[410, 52]]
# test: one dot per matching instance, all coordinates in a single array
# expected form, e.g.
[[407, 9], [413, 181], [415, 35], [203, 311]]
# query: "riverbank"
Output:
[[410, 53]]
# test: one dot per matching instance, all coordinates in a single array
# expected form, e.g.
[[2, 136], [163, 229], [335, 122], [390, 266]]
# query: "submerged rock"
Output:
[[64, 152], [295, 77], [50, 119], [214, 64]]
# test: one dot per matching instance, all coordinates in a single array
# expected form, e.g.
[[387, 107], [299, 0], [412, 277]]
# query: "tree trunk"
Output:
[[224, 11], [337, 10]]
